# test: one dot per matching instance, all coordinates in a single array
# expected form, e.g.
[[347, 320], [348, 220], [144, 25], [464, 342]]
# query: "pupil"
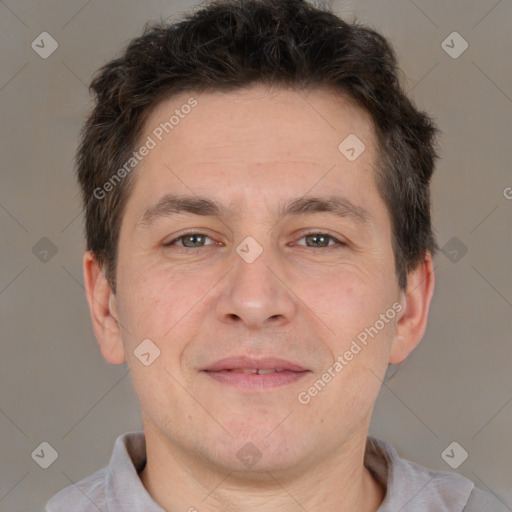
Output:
[[192, 238], [319, 239]]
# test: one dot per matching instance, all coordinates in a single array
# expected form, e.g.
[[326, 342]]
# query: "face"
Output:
[[257, 274]]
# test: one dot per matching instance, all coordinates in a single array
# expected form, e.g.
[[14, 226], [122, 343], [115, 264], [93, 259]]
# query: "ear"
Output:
[[103, 307], [415, 299]]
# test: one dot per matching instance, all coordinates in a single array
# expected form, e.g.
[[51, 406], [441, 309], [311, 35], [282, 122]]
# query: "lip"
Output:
[[221, 372], [267, 363]]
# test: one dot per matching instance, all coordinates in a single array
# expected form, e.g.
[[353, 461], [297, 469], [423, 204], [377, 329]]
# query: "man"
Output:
[[256, 187]]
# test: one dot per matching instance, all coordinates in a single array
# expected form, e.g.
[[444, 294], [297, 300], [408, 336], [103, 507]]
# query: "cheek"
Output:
[[147, 304], [166, 305], [357, 313], [344, 298]]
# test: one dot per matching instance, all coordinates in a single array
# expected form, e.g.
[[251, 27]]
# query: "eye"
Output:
[[189, 240], [322, 240], [315, 240]]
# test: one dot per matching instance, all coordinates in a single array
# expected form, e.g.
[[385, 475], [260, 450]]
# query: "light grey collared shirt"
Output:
[[409, 486]]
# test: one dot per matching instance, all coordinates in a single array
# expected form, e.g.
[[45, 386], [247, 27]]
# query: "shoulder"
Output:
[[415, 488], [412, 487], [87, 495], [116, 484], [480, 500]]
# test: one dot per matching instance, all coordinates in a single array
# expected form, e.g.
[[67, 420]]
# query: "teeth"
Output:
[[255, 370]]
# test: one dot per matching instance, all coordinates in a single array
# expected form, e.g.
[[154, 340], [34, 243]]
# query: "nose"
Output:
[[256, 294]]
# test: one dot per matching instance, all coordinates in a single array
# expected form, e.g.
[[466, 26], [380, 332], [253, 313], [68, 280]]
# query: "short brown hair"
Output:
[[230, 44]]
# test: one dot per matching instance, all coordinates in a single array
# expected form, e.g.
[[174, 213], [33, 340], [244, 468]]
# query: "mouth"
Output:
[[255, 375], [259, 371]]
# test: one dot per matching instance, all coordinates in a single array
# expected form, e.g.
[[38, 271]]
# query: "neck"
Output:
[[178, 481]]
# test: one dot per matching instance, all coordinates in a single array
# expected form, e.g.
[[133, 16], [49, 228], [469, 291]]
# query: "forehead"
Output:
[[257, 117], [254, 141]]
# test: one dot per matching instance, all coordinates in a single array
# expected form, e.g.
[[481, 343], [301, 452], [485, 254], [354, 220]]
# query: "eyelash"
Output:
[[339, 243]]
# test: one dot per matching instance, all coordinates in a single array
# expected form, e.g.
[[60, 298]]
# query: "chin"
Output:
[[259, 450]]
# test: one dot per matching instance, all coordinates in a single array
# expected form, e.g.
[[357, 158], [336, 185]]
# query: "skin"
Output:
[[253, 150]]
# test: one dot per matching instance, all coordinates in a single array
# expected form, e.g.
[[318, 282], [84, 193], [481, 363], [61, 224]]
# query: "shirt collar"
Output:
[[409, 486], [124, 489]]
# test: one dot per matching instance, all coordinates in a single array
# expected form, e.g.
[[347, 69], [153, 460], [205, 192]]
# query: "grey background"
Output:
[[55, 386]]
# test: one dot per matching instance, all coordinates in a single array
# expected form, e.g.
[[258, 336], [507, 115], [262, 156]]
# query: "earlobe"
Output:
[[412, 323], [103, 308]]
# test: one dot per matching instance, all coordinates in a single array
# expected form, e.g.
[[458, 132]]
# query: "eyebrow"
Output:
[[172, 204]]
